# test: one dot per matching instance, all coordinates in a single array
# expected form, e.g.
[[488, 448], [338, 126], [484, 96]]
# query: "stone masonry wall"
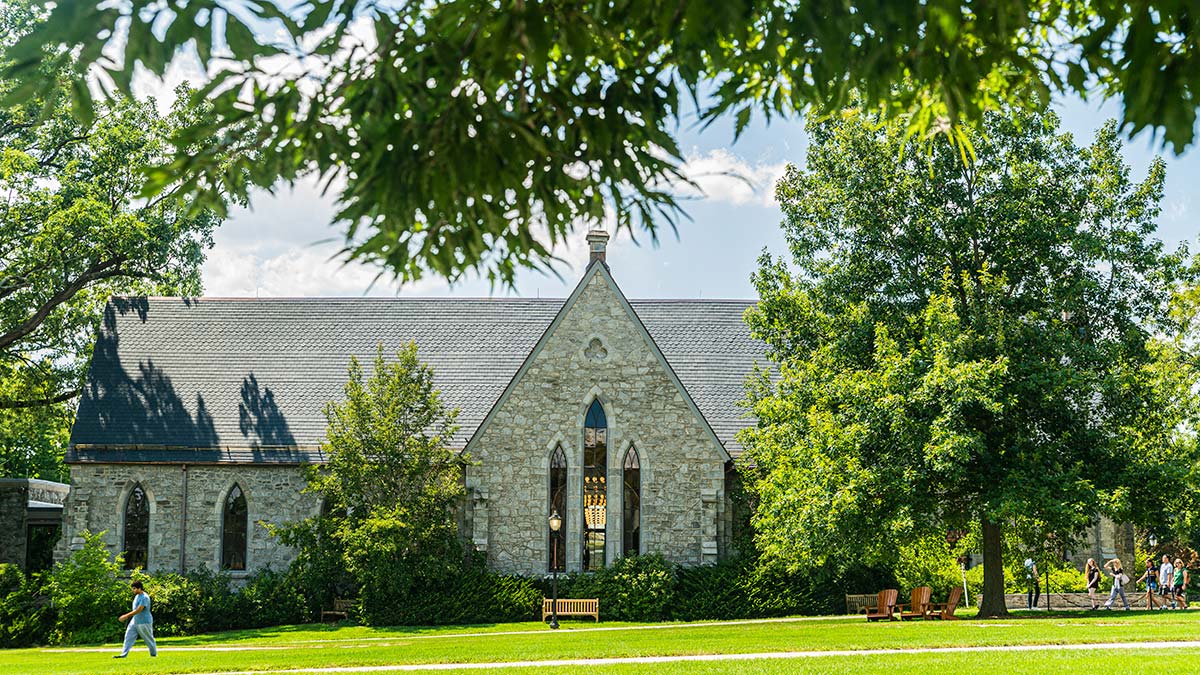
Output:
[[597, 351], [273, 495], [15, 495], [13, 500]]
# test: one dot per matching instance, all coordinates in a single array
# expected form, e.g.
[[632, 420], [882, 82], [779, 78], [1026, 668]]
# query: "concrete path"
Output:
[[401, 637], [415, 667]]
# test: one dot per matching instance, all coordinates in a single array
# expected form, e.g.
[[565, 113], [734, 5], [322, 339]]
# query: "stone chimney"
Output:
[[597, 243]]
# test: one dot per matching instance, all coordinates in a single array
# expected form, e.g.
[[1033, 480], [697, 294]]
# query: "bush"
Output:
[[174, 600], [26, 617], [318, 568], [88, 594], [636, 588], [465, 593], [647, 588], [272, 599], [712, 592], [196, 602]]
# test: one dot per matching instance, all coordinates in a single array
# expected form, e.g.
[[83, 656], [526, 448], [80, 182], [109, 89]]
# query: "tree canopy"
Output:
[[73, 232], [469, 135], [390, 485], [961, 344]]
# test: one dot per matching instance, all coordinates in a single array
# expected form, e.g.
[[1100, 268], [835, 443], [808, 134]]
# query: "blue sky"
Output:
[[272, 249]]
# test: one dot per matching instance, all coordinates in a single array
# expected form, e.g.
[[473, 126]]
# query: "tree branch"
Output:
[[102, 270], [38, 402]]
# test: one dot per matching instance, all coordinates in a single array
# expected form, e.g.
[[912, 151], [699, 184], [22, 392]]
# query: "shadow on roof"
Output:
[[259, 418]]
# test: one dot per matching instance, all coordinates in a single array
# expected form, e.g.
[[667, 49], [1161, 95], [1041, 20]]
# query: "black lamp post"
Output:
[[555, 524]]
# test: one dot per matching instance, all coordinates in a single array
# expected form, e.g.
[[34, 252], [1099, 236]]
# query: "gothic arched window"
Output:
[[631, 492], [595, 486], [233, 530], [558, 504], [137, 528]]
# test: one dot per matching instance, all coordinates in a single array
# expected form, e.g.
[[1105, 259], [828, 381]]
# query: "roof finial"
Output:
[[597, 240]]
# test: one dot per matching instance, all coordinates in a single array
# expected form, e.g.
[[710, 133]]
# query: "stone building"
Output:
[[31, 512], [620, 415]]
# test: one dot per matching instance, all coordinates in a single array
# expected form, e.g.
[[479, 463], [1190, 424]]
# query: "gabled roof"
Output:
[[219, 380], [597, 269]]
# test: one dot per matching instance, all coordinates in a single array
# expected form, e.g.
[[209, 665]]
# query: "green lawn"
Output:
[[325, 647]]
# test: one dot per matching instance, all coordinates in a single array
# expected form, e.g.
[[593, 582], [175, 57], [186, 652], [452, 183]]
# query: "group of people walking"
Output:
[[1166, 583]]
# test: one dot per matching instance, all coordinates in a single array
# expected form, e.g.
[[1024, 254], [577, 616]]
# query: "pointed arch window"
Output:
[[595, 486], [631, 491], [558, 504], [137, 528], [233, 530]]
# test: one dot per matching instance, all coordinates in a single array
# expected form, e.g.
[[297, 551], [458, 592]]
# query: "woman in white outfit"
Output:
[[1119, 579]]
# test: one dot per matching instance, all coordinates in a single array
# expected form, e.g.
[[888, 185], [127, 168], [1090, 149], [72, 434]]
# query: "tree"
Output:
[[475, 135], [73, 232], [391, 487], [963, 343]]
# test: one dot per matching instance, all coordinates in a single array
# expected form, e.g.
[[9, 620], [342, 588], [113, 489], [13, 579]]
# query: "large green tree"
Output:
[[390, 485], [963, 345], [74, 231], [473, 135]]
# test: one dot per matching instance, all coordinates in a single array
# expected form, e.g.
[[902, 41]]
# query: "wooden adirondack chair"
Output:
[[945, 610], [885, 606], [918, 604]]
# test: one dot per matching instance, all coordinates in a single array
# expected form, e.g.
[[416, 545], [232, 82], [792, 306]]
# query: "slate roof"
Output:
[[218, 380]]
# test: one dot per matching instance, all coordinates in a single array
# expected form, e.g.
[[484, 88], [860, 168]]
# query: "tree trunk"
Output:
[[993, 572]]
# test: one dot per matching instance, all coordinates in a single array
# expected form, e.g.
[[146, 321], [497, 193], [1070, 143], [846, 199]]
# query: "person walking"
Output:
[[1035, 588], [1093, 580], [1181, 582], [141, 622], [1150, 577], [1166, 581], [1119, 581]]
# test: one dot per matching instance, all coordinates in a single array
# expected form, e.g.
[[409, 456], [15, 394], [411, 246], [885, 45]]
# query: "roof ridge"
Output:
[[426, 298]]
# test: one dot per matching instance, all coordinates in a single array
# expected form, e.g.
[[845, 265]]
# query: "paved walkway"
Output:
[[418, 667], [401, 637]]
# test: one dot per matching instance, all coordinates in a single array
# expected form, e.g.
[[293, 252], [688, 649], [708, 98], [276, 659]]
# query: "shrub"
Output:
[[26, 617], [749, 588], [174, 599], [196, 602], [927, 561], [87, 592], [272, 599], [464, 593], [636, 588], [318, 569], [710, 592]]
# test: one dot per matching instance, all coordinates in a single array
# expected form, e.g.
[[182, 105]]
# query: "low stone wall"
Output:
[[1137, 600]]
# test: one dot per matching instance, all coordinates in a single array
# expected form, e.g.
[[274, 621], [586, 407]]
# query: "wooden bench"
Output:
[[858, 603], [572, 607], [341, 609]]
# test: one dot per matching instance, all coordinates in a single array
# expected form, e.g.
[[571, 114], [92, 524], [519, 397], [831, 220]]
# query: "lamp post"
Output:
[[952, 538], [555, 524]]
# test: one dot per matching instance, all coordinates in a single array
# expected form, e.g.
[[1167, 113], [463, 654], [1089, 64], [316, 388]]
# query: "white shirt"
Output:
[[1164, 575]]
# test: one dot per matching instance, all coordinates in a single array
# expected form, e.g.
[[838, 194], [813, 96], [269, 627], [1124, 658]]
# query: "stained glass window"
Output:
[[595, 486], [558, 504], [137, 528], [233, 531], [632, 497]]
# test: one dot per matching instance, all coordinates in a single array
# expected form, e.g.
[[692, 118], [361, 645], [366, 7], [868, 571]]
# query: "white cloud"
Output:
[[185, 67], [302, 271], [725, 177]]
